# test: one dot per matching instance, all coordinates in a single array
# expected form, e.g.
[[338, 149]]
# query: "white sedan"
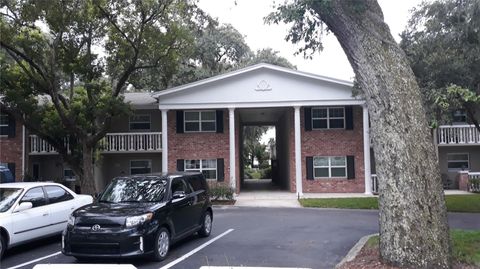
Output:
[[31, 210]]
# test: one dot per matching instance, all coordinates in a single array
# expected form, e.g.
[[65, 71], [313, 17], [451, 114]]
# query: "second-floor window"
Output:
[[459, 116], [140, 122], [328, 118], [4, 120], [200, 121]]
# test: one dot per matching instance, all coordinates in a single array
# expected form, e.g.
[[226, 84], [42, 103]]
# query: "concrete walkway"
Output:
[[286, 199], [267, 199]]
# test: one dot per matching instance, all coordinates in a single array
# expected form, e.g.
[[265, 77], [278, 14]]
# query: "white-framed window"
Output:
[[207, 167], [330, 166], [140, 122], [328, 118], [140, 167], [4, 120], [458, 161], [68, 174], [200, 121], [459, 116]]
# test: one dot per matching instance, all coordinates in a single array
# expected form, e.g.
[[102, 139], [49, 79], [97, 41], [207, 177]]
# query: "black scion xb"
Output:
[[140, 215]]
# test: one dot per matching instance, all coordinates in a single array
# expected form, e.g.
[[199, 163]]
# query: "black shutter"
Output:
[[308, 118], [349, 117], [180, 122], [220, 170], [350, 167], [309, 168], [11, 167], [219, 121], [11, 125], [180, 165]]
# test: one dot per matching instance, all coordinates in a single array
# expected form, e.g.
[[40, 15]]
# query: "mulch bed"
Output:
[[223, 202], [369, 258]]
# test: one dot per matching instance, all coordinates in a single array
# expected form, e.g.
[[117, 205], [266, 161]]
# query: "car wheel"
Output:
[[206, 225], [3, 246], [162, 244]]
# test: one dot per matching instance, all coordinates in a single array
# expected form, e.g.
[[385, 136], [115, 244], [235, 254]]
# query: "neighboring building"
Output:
[[322, 141], [11, 145], [458, 148]]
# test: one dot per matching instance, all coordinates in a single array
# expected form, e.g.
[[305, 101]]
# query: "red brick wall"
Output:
[[207, 145], [332, 143], [11, 150]]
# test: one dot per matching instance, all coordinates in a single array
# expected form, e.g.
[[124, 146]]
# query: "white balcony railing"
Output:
[[111, 143], [39, 146], [458, 135], [374, 184], [131, 142], [474, 181]]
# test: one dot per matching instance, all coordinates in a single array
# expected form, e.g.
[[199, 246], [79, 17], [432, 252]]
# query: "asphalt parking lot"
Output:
[[260, 237]]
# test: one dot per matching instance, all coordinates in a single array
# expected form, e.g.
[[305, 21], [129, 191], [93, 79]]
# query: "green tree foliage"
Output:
[[252, 148], [269, 56], [65, 64], [442, 43]]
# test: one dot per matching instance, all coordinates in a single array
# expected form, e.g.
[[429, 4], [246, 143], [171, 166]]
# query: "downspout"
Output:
[[23, 151]]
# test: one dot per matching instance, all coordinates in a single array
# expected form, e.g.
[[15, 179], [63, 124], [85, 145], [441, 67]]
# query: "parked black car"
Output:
[[140, 215]]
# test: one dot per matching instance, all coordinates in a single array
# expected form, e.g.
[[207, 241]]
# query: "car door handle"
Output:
[[45, 214]]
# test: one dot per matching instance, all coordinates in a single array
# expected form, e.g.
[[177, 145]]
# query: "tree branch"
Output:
[[24, 57]]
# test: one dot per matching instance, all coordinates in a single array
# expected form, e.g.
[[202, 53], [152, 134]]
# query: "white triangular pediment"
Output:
[[263, 84]]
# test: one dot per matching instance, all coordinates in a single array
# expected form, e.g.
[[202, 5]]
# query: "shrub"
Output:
[[221, 191], [266, 173]]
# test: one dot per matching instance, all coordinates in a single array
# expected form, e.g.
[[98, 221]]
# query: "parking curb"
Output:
[[352, 254]]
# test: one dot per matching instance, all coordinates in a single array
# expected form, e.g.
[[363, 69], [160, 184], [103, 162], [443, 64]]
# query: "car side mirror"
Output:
[[23, 206], [178, 195]]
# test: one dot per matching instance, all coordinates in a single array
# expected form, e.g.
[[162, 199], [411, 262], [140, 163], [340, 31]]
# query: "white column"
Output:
[[298, 153], [231, 131], [366, 151], [164, 141]]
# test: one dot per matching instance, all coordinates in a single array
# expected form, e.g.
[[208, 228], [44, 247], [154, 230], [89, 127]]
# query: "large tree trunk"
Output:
[[413, 219], [87, 181]]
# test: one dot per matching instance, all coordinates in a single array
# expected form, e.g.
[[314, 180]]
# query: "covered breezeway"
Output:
[[282, 119]]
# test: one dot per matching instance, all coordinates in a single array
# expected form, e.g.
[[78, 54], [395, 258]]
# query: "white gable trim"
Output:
[[247, 70], [262, 104]]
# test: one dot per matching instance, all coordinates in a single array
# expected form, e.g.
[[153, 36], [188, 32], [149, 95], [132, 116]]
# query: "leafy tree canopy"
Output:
[[442, 43], [80, 56]]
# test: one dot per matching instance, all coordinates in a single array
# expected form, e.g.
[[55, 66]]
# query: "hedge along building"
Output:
[[322, 136]]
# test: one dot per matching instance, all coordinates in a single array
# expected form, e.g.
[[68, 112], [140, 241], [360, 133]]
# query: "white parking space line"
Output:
[[196, 250], [36, 260]]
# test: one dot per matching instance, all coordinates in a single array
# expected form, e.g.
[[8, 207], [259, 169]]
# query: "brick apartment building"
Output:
[[11, 145], [322, 135]]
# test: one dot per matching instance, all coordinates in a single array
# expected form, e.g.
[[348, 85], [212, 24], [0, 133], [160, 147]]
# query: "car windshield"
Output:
[[8, 196], [135, 190]]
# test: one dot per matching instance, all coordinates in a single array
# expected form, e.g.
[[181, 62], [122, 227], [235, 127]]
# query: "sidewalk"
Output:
[[281, 199]]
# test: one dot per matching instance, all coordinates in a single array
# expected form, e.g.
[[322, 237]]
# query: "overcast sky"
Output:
[[247, 17]]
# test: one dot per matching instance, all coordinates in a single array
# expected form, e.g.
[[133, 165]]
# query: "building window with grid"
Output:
[[200, 121], [334, 166], [4, 120], [140, 122], [458, 161], [207, 167], [140, 167], [328, 118]]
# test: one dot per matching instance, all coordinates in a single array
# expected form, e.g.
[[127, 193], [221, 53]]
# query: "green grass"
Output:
[[354, 203], [455, 203], [463, 203], [466, 246]]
